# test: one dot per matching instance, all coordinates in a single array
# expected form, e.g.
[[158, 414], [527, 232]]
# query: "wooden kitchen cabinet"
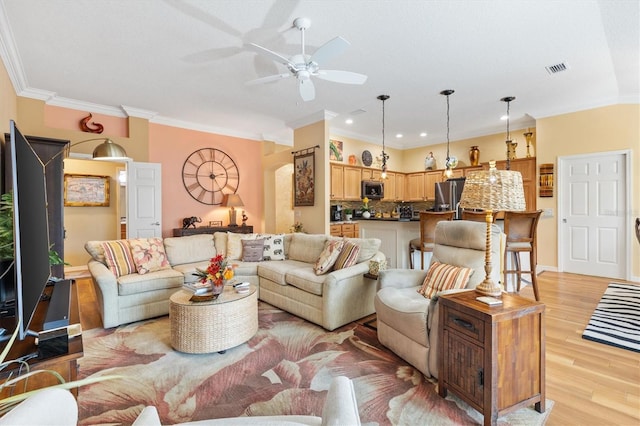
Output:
[[400, 186], [337, 182], [493, 358], [527, 168], [348, 230], [430, 180], [415, 187], [352, 179]]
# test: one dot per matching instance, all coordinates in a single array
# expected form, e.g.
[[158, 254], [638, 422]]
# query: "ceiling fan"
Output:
[[304, 66]]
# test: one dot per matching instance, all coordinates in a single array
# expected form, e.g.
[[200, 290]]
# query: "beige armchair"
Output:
[[407, 321]]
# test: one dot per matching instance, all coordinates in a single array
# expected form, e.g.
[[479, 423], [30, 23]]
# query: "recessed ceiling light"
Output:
[[423, 134], [349, 121], [399, 135]]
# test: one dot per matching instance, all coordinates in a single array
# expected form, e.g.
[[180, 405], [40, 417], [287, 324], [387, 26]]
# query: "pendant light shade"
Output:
[[385, 156], [510, 145], [450, 163]]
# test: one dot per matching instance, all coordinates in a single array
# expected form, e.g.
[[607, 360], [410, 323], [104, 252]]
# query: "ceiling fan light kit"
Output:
[[304, 67]]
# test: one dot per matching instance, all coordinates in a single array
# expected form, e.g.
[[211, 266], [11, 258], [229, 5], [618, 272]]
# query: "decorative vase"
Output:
[[366, 214], [430, 162], [474, 155], [217, 286]]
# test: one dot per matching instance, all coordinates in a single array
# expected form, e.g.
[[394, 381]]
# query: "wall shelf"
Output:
[[546, 180]]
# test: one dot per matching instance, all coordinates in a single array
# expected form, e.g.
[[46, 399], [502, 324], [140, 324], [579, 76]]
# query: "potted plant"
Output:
[[348, 214]]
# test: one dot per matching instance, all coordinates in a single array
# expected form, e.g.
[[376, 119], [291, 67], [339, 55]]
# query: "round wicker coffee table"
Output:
[[215, 326]]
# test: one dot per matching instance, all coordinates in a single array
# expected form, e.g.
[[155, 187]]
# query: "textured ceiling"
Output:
[[185, 62]]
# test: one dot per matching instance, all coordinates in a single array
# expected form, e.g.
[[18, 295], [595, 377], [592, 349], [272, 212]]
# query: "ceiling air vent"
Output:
[[554, 69]]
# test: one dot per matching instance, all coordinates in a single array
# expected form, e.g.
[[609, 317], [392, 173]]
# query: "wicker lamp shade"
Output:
[[492, 190]]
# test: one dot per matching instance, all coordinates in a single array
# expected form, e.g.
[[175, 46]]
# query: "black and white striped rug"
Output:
[[616, 320]]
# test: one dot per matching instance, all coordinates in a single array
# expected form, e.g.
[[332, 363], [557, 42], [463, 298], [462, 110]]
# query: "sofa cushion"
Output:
[[252, 250], [234, 244], [189, 249], [276, 271], [95, 249], [156, 280], [332, 249], [404, 309], [368, 247], [118, 258], [273, 246], [148, 254], [188, 269], [306, 247], [444, 277], [305, 278], [348, 255]]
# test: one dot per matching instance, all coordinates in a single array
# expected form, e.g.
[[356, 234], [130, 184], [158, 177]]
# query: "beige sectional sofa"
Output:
[[329, 300]]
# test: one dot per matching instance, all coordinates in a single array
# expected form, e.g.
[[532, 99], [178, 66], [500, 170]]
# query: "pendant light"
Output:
[[449, 164], [385, 156], [509, 142]]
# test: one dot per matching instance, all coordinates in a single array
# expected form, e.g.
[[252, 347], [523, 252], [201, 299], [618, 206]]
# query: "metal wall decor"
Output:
[[304, 176], [208, 174]]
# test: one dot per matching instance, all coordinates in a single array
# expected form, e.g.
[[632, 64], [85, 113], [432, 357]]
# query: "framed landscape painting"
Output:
[[304, 179]]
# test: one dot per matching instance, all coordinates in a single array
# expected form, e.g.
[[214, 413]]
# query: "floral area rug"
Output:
[[285, 368]]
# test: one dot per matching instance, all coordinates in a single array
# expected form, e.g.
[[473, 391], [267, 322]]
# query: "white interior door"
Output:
[[144, 200], [593, 193]]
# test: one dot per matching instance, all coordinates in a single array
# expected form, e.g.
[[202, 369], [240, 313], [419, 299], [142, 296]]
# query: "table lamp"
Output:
[[492, 190], [233, 201]]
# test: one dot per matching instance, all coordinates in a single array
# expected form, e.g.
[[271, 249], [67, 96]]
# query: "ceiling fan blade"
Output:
[[267, 79], [271, 54], [307, 90], [332, 48], [346, 77]]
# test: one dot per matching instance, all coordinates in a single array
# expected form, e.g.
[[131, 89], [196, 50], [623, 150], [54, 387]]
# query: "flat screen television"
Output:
[[30, 229]]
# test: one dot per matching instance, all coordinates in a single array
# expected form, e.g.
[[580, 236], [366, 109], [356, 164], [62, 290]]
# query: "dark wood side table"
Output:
[[492, 357], [183, 232], [65, 362]]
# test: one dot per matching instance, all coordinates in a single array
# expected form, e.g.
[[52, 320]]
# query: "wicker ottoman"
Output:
[[204, 327]]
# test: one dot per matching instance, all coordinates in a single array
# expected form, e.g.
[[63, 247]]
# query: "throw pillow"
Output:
[[118, 257], [444, 277], [252, 250], [148, 254], [234, 244], [328, 256], [348, 255], [273, 246]]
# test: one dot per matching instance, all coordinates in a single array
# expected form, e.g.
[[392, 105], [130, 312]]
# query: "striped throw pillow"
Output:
[[444, 277], [348, 256], [118, 256]]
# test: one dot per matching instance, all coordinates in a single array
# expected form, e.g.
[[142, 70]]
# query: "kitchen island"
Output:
[[395, 235]]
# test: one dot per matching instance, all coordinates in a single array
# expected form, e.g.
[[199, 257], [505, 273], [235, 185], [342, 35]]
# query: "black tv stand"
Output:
[[58, 309]]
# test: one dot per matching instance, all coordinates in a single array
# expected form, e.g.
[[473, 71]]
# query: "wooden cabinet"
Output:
[[183, 232], [400, 186], [493, 358], [348, 230], [367, 174], [415, 187], [337, 182], [390, 187], [430, 180], [526, 167], [352, 179]]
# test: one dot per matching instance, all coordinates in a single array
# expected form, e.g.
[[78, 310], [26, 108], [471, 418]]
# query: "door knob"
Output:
[[156, 223]]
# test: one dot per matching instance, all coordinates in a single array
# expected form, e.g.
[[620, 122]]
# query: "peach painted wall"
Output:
[[170, 146], [8, 100]]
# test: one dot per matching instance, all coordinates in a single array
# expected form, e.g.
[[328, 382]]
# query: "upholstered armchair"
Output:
[[407, 321]]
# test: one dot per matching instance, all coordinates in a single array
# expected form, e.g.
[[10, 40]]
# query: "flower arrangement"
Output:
[[297, 227], [217, 270], [365, 204]]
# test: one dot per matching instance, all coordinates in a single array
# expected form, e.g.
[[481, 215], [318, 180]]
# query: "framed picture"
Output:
[[86, 191], [215, 223], [335, 150], [304, 179]]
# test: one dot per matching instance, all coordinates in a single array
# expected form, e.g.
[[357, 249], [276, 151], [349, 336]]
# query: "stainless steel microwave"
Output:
[[372, 189]]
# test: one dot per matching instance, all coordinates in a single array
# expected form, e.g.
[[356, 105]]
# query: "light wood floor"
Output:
[[591, 383]]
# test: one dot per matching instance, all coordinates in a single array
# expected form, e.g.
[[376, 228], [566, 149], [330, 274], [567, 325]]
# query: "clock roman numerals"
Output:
[[208, 174]]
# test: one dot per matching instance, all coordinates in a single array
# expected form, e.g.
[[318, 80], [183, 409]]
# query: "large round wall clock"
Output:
[[208, 174]]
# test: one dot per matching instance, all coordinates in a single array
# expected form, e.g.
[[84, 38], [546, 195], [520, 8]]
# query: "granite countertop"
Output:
[[376, 219]]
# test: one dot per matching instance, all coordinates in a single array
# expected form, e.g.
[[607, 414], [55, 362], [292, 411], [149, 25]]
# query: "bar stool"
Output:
[[476, 215], [520, 229], [428, 222]]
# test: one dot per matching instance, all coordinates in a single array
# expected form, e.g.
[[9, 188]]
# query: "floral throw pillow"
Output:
[[148, 254], [328, 256], [444, 277]]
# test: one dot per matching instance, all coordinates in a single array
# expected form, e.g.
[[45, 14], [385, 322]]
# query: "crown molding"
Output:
[[167, 121], [9, 54], [86, 106], [138, 112], [312, 118]]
